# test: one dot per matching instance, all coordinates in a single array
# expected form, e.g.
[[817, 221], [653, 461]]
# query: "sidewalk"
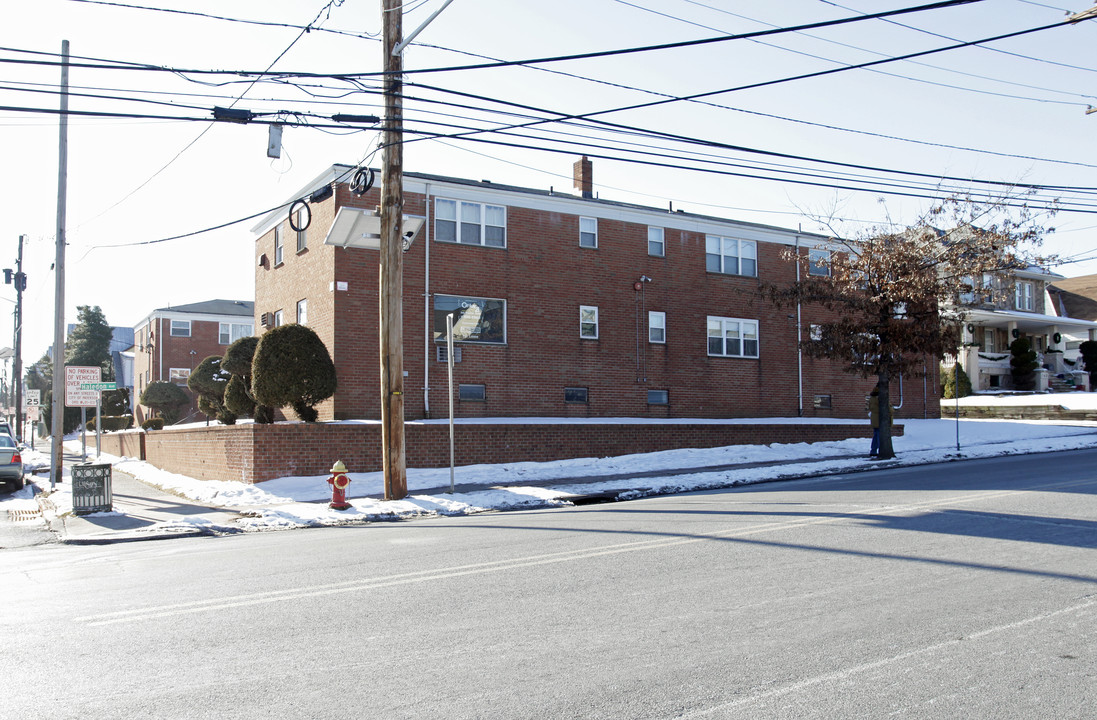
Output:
[[151, 504], [144, 512], [141, 512]]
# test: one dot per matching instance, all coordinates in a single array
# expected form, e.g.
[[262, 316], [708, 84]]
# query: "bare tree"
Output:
[[895, 296]]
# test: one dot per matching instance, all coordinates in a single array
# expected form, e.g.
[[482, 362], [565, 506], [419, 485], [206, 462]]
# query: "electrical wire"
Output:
[[878, 54], [530, 61]]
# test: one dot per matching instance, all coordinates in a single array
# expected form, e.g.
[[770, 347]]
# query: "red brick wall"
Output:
[[545, 276], [254, 453], [170, 351]]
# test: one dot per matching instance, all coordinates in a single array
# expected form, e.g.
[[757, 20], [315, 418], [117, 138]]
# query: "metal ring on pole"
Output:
[[293, 210], [363, 181]]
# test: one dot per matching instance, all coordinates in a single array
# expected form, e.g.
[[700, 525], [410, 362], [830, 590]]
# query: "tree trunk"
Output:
[[887, 451]]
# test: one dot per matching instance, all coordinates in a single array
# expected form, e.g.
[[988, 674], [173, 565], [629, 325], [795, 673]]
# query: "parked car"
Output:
[[11, 462]]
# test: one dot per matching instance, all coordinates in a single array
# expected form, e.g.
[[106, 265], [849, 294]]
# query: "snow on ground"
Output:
[[291, 502]]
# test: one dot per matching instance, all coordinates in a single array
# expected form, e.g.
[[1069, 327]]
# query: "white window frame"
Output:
[[279, 318], [657, 327], [588, 320], [172, 328], [303, 311], [815, 267], [279, 245], [657, 242], [177, 374], [588, 233], [742, 328], [725, 249], [815, 332], [228, 333], [463, 228], [1024, 296]]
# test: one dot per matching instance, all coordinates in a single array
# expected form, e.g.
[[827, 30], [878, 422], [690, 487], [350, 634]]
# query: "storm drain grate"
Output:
[[24, 515]]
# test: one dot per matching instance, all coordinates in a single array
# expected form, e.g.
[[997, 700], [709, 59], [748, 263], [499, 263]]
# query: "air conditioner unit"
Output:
[[442, 355], [266, 319]]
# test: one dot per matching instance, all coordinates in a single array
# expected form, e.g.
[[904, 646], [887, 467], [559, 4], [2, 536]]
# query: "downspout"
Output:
[[160, 346], [799, 337], [429, 344]]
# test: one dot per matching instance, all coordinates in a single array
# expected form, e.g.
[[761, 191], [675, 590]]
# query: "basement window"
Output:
[[472, 392]]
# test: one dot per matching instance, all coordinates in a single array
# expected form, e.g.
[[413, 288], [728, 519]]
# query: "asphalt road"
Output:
[[965, 590]]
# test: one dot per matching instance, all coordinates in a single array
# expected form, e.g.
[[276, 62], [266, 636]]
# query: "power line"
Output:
[[260, 23], [878, 54], [715, 144], [530, 61]]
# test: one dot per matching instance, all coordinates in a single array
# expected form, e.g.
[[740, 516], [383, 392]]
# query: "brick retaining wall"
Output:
[[254, 453]]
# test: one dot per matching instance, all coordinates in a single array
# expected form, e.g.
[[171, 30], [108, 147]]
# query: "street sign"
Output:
[[75, 377], [98, 386], [33, 399]]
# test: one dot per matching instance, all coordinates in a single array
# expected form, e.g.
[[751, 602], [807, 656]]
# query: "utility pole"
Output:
[[17, 372], [393, 459], [57, 454]]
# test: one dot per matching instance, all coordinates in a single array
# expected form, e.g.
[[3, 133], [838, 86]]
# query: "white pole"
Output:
[[449, 367], [98, 423]]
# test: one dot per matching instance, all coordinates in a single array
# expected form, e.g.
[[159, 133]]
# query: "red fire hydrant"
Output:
[[339, 482]]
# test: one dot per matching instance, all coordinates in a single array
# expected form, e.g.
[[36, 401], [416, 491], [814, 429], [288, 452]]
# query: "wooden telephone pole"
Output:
[[393, 459]]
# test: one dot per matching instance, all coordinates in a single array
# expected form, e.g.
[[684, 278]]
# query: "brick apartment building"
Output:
[[565, 306], [170, 342]]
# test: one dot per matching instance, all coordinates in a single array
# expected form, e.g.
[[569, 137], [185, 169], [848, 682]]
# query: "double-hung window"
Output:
[[1023, 296], [228, 333], [588, 232], [470, 223], [279, 318], [657, 246], [180, 328], [819, 262], [303, 312], [588, 322], [731, 256], [732, 337], [278, 244], [657, 327], [302, 236]]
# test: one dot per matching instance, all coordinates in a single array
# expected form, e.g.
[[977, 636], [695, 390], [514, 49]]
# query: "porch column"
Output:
[[1057, 366]]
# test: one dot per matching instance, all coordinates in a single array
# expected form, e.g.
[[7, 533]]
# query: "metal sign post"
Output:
[[449, 366], [98, 388]]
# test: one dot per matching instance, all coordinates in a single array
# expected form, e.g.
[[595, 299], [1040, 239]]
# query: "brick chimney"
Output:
[[582, 173]]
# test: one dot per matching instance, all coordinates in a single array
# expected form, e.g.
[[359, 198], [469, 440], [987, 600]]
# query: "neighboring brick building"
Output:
[[565, 306], [170, 342]]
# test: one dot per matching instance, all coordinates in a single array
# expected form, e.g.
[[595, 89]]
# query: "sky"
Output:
[[1011, 111], [296, 502]]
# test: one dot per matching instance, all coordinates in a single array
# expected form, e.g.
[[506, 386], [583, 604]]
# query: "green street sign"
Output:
[[99, 386]]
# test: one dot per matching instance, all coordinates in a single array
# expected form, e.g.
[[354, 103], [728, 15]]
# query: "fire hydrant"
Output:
[[339, 482]]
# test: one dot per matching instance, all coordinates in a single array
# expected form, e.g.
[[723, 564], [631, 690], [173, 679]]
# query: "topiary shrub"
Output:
[[292, 367], [166, 398], [209, 380], [1022, 364], [948, 376], [156, 423], [1089, 360], [112, 423], [238, 395]]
